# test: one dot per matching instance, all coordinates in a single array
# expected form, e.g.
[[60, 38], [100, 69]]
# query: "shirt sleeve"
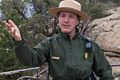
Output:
[[32, 57], [101, 66]]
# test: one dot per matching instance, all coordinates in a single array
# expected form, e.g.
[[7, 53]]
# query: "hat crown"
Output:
[[70, 4]]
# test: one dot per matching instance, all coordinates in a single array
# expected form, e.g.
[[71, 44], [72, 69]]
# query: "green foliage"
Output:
[[96, 8], [116, 2], [8, 60], [96, 11], [92, 9]]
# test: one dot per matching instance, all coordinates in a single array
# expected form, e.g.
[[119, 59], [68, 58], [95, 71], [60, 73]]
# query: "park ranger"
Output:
[[64, 52]]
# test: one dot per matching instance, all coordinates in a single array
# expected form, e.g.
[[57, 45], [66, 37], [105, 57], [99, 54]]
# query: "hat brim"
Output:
[[55, 10]]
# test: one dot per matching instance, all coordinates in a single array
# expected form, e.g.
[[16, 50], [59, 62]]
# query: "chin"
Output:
[[65, 31]]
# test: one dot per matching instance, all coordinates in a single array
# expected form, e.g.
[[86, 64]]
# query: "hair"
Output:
[[72, 12]]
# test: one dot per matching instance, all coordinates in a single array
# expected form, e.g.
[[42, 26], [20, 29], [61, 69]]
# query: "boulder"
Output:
[[106, 32]]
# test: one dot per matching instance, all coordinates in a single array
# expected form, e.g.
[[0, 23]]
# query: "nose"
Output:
[[66, 19]]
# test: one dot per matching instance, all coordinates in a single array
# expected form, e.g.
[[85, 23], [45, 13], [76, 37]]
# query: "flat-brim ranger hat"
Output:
[[69, 6]]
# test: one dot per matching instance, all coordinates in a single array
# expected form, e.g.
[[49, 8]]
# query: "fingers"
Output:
[[11, 23], [13, 30], [8, 26]]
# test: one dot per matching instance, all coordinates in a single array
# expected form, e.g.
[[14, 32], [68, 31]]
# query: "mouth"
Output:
[[66, 26]]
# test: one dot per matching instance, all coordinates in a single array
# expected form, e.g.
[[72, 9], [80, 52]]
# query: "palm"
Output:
[[13, 30]]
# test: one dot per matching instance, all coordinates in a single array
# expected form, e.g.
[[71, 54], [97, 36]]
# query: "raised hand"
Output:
[[13, 30]]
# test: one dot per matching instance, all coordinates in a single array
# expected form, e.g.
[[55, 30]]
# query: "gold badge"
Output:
[[86, 55]]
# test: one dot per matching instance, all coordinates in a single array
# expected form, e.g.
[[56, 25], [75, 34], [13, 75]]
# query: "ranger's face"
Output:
[[67, 22]]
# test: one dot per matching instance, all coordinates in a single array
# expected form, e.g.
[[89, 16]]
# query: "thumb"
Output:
[[17, 35]]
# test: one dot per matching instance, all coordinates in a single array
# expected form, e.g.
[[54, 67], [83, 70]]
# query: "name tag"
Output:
[[55, 57]]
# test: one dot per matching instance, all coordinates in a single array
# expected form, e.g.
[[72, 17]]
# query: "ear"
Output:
[[57, 24], [77, 22]]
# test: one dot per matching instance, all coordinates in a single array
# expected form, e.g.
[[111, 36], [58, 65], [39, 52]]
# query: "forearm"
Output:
[[23, 53], [26, 55]]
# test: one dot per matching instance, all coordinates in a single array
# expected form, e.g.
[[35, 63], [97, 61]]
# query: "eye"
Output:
[[62, 15], [72, 16]]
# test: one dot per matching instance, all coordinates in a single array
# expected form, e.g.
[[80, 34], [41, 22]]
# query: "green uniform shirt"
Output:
[[66, 57]]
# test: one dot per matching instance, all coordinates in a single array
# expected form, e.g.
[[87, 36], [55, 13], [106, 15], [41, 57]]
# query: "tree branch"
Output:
[[21, 13]]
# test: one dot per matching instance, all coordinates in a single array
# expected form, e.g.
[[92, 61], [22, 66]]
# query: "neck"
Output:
[[71, 35]]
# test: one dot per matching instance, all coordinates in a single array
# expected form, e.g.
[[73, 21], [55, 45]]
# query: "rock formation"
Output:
[[106, 32]]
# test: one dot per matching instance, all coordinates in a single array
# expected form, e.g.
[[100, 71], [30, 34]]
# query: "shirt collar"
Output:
[[66, 36]]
